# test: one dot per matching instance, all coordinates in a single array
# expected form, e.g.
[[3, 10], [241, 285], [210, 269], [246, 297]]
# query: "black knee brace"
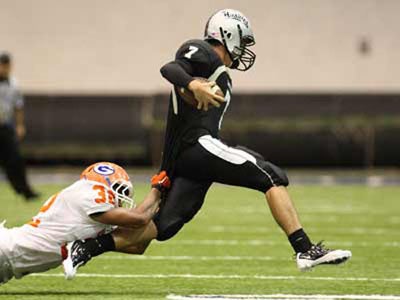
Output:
[[277, 174]]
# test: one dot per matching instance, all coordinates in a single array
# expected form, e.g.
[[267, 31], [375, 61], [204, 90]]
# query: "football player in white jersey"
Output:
[[99, 202]]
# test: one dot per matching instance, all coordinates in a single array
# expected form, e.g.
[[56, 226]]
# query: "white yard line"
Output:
[[196, 258], [211, 276], [283, 296], [185, 257]]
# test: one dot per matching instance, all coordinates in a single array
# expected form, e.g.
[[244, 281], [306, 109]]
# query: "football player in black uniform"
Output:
[[194, 156]]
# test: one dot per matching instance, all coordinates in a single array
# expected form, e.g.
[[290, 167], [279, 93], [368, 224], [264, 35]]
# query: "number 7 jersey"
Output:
[[65, 217], [185, 123]]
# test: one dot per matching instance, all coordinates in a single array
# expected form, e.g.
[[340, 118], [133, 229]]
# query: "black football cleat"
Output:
[[319, 255], [77, 256]]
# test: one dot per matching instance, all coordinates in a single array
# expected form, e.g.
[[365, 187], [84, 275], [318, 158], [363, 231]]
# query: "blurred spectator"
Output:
[[12, 129]]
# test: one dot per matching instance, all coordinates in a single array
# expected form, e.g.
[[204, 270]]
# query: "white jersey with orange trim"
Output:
[[65, 217]]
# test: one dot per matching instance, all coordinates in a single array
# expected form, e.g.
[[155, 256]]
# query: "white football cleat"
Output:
[[319, 255]]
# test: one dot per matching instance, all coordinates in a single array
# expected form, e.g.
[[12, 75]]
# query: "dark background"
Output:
[[296, 129]]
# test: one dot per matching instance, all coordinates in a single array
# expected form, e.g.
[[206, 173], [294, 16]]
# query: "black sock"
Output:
[[100, 244], [300, 241]]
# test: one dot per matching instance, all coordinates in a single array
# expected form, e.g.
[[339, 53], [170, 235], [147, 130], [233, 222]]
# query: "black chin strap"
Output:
[[235, 64]]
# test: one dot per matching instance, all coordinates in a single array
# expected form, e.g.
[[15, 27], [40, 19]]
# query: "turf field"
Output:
[[234, 247]]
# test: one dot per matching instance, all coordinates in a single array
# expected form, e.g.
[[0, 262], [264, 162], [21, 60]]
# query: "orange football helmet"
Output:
[[114, 178]]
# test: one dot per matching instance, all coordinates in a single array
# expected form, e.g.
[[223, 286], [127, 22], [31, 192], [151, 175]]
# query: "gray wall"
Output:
[[102, 46]]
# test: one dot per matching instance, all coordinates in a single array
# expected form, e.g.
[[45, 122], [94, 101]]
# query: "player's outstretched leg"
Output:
[[81, 251], [123, 240], [308, 255], [241, 166]]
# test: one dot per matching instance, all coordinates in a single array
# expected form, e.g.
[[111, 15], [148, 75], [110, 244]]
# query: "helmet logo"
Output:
[[236, 16], [104, 170]]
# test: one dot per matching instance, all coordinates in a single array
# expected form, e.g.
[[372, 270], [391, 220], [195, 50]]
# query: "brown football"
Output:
[[188, 95]]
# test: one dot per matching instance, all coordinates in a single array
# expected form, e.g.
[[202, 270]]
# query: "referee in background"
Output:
[[12, 129]]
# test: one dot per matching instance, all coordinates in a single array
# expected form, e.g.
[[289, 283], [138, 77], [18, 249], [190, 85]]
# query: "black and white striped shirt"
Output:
[[10, 99]]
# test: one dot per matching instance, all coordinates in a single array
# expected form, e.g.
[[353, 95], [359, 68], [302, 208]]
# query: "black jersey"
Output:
[[185, 123]]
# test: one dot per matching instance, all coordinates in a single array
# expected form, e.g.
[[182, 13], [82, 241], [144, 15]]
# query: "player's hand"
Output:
[[20, 131], [204, 94], [161, 181]]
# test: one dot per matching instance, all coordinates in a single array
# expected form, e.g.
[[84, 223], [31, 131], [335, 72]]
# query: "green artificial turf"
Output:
[[235, 237]]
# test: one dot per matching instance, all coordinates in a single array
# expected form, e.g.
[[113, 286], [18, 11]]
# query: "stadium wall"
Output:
[[118, 47], [292, 129], [324, 90]]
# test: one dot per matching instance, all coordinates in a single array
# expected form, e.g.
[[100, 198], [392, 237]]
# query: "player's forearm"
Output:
[[124, 217], [150, 203], [176, 74]]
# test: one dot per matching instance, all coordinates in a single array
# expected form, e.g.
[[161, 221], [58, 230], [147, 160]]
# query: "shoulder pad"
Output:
[[196, 51]]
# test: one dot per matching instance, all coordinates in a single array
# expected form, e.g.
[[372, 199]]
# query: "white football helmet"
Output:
[[232, 29]]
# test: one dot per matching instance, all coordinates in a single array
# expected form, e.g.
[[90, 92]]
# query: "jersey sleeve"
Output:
[[194, 58], [176, 74], [96, 199]]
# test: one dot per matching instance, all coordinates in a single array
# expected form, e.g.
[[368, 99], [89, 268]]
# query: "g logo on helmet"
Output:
[[104, 170]]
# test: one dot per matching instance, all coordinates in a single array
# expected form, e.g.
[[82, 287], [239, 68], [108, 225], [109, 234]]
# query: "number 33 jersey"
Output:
[[65, 217]]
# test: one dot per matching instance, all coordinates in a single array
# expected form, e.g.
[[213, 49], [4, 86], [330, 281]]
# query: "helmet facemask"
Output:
[[123, 192], [242, 57]]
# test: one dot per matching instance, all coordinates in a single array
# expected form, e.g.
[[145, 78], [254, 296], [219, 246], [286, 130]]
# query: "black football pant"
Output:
[[198, 167], [12, 161]]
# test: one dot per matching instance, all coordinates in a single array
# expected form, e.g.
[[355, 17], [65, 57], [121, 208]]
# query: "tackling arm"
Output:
[[136, 217], [141, 215]]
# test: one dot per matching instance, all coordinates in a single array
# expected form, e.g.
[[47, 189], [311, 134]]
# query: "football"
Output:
[[188, 95]]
